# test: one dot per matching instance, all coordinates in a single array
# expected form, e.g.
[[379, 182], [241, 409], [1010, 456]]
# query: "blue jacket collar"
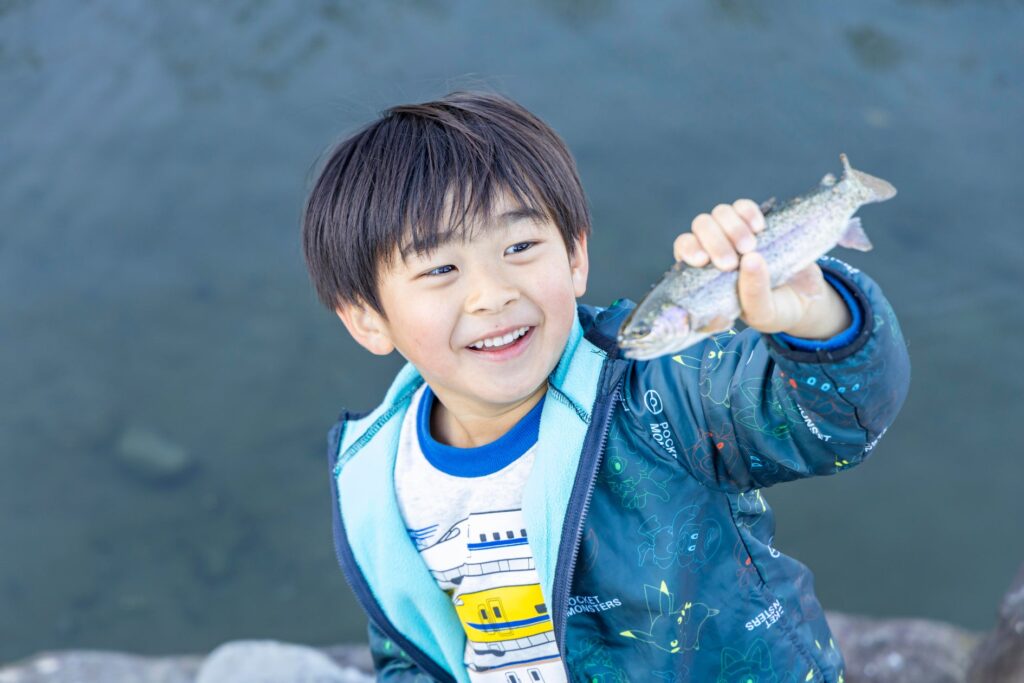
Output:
[[387, 557]]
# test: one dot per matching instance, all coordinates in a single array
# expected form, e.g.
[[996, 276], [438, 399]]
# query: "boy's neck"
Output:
[[471, 428]]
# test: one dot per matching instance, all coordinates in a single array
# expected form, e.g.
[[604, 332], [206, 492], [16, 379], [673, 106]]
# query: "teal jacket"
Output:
[[652, 541]]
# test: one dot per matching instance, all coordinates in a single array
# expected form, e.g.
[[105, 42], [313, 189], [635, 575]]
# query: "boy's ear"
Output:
[[367, 327], [579, 265]]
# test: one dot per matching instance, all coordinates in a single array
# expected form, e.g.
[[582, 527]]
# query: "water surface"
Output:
[[154, 161]]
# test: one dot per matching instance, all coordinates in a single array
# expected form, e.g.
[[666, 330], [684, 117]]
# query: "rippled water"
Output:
[[154, 158]]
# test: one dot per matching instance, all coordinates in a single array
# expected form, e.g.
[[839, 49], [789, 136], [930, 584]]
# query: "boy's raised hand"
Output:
[[727, 237]]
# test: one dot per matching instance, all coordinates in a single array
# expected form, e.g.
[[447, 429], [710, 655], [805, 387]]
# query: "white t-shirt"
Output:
[[462, 508]]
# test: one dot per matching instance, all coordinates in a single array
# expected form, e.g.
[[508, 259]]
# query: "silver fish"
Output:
[[690, 304]]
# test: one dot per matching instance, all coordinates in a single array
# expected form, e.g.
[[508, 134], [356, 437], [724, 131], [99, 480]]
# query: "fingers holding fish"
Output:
[[750, 211], [687, 248], [736, 228], [714, 240], [726, 233]]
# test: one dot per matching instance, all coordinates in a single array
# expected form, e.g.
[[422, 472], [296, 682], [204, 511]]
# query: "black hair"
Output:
[[386, 185]]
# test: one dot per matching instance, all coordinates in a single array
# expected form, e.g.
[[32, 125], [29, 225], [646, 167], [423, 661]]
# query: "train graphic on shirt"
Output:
[[509, 631], [480, 544], [505, 615], [486, 560]]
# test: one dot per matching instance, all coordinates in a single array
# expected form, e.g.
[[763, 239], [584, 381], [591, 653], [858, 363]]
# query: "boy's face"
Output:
[[508, 275]]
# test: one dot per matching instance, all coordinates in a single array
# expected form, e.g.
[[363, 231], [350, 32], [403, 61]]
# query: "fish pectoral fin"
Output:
[[854, 237], [767, 205], [720, 323]]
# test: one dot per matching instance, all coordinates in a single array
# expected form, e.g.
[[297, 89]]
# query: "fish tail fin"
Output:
[[878, 189]]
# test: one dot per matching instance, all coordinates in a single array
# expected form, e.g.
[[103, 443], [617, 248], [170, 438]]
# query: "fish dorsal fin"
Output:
[[845, 161], [767, 206], [854, 237]]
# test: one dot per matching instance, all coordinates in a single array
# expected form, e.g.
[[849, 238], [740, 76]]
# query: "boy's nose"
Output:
[[490, 292]]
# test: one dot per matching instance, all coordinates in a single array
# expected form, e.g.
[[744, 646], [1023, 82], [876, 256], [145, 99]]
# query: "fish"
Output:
[[690, 303]]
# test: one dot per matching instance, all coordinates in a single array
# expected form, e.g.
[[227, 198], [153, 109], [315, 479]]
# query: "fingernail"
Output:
[[747, 244], [700, 255]]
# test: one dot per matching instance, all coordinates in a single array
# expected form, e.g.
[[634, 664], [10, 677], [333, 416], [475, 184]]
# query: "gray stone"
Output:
[[875, 651], [151, 458], [88, 666], [251, 661], [1000, 657], [901, 650], [268, 661]]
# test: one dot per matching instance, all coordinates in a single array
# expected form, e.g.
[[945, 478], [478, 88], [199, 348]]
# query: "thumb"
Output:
[[757, 299]]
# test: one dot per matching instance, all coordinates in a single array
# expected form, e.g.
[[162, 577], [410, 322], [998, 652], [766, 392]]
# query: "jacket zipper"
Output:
[[359, 585], [577, 510]]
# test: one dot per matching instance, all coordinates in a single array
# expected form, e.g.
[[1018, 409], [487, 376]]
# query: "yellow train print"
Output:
[[503, 613]]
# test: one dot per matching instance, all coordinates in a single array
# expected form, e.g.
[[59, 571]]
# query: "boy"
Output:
[[526, 504]]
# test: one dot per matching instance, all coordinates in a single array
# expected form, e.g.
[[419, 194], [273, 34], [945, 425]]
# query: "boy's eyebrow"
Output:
[[502, 220], [519, 214]]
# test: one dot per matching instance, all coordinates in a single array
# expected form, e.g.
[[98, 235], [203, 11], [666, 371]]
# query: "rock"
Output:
[[250, 661], [86, 666], [875, 650], [901, 650], [268, 661], [1000, 657], [151, 458]]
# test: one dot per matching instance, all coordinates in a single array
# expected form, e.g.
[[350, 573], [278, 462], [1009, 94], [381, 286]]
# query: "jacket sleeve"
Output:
[[391, 663], [745, 410]]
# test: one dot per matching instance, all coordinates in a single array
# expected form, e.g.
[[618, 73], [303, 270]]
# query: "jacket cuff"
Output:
[[860, 308], [839, 340]]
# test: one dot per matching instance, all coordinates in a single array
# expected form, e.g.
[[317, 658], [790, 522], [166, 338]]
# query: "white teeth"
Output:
[[500, 341]]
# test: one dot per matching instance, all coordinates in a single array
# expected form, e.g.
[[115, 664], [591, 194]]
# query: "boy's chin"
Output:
[[506, 396]]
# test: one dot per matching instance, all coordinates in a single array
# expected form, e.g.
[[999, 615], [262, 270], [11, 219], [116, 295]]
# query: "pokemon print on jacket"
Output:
[[644, 510]]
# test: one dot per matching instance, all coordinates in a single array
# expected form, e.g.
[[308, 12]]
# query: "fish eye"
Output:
[[640, 330]]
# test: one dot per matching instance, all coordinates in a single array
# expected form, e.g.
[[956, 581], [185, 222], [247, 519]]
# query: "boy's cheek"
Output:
[[429, 336]]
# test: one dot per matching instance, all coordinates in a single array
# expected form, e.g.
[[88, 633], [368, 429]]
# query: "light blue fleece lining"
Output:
[[559, 446], [398, 578]]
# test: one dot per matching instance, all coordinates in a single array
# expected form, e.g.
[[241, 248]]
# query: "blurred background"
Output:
[[168, 377]]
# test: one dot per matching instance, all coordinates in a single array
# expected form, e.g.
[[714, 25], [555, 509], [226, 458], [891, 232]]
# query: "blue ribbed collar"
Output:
[[478, 461]]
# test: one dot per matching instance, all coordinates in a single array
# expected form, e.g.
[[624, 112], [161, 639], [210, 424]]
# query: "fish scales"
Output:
[[690, 303]]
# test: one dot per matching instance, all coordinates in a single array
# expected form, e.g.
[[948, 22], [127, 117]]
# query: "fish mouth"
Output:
[[668, 332]]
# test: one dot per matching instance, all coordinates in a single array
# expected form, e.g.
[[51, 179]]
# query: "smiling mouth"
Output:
[[515, 343], [516, 336]]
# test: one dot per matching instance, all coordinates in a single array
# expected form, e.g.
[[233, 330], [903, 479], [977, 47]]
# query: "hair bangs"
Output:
[[425, 174]]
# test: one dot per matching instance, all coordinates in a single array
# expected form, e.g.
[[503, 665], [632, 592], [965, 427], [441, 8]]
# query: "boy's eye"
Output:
[[520, 244], [439, 268], [517, 248]]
